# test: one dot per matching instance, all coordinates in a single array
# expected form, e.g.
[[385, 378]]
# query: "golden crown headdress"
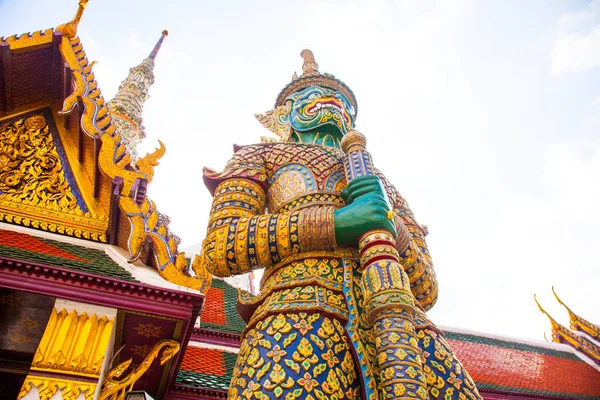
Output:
[[312, 77]]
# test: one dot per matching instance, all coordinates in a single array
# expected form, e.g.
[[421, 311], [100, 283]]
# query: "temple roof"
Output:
[[206, 368], [220, 313], [513, 366], [21, 246], [102, 182], [578, 323], [582, 343]]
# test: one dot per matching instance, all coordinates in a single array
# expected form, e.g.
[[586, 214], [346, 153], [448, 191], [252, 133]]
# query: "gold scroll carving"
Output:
[[30, 168], [47, 387], [34, 190]]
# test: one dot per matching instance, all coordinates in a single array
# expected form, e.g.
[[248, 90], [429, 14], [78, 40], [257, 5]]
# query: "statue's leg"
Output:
[[303, 355], [445, 376]]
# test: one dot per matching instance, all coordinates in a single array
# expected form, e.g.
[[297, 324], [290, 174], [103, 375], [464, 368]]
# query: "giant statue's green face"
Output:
[[320, 109]]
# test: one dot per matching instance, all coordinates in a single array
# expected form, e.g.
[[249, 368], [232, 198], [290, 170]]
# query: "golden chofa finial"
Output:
[[310, 66], [558, 299], [554, 324], [70, 28]]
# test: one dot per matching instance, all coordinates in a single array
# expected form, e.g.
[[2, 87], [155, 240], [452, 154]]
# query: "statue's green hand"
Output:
[[366, 209]]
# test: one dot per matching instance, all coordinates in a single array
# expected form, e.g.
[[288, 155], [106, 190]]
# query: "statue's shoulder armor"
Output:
[[247, 162]]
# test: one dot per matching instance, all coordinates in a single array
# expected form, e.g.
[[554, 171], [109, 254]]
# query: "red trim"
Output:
[[374, 243], [181, 392], [90, 288], [215, 337], [491, 394]]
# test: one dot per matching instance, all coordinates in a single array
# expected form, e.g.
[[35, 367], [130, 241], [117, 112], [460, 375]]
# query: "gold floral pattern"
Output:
[[148, 330], [295, 356]]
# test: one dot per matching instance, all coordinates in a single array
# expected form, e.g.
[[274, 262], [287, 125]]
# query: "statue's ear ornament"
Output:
[[277, 121]]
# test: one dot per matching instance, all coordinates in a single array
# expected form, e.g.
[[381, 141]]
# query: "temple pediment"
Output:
[[39, 186]]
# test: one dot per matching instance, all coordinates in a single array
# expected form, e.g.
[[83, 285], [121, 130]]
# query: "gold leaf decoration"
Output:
[[30, 167]]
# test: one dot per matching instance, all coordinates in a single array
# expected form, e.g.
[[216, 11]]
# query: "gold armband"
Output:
[[316, 229]]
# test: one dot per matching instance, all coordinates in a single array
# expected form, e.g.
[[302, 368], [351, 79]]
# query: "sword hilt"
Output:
[[388, 301]]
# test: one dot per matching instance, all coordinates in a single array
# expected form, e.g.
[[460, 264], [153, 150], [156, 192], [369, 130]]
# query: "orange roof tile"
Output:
[[31, 243], [525, 369]]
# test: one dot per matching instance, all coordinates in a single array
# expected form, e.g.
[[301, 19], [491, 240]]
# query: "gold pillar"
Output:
[[70, 358]]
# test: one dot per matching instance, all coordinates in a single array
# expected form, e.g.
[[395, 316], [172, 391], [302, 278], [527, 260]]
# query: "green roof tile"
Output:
[[220, 312], [34, 249]]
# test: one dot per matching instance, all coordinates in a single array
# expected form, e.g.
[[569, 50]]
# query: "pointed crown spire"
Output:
[[312, 77], [127, 105], [310, 66]]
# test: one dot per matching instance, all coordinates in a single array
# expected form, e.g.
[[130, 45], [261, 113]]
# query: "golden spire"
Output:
[[70, 28], [310, 66], [127, 106], [156, 48]]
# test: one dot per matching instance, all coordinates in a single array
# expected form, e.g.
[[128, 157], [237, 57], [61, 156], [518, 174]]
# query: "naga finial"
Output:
[[70, 28], [310, 66]]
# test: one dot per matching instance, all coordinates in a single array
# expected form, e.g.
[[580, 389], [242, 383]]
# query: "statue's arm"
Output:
[[412, 249], [241, 235]]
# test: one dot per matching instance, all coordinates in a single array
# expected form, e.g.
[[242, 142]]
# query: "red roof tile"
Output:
[[526, 369], [214, 309], [205, 361], [29, 248], [220, 309], [30, 243]]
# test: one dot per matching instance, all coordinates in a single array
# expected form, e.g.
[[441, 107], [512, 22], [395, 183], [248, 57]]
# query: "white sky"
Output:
[[485, 115]]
